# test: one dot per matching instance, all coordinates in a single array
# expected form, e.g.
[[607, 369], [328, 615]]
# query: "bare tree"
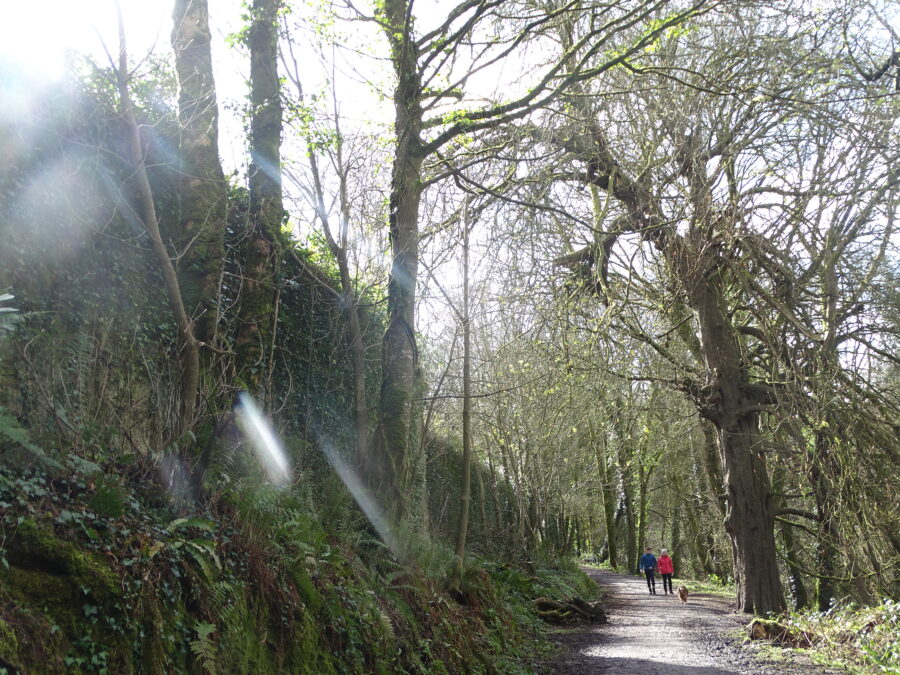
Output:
[[189, 347], [422, 129], [684, 163]]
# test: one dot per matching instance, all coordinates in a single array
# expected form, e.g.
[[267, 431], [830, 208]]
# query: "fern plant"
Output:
[[204, 647]]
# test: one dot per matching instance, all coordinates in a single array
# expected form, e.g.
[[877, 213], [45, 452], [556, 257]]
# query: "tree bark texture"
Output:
[[624, 454], [826, 544], [732, 405], [398, 466], [260, 243], [823, 462], [202, 190], [796, 585]]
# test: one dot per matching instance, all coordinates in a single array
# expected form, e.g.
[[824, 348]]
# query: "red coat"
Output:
[[665, 565]]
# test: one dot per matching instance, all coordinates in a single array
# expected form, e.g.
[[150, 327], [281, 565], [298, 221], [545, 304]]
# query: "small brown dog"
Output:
[[682, 594]]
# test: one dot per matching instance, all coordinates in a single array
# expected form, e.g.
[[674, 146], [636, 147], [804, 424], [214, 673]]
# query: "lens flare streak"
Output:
[[375, 515], [263, 440]]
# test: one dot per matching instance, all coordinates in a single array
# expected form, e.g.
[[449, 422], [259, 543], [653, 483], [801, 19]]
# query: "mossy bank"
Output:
[[101, 577]]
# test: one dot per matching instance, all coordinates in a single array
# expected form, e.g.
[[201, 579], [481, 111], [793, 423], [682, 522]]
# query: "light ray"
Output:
[[262, 439], [365, 501]]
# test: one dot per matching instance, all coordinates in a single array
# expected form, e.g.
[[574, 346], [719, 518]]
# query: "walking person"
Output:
[[666, 570], [647, 565]]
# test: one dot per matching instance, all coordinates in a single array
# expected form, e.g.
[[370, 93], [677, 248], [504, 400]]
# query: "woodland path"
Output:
[[657, 635]]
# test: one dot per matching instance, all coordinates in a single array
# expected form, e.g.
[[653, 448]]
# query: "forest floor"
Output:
[[657, 634]]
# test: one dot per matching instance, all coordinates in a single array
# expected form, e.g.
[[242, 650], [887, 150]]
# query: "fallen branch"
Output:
[[779, 634], [573, 611]]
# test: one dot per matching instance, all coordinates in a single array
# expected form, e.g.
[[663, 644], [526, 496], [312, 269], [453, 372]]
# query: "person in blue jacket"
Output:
[[647, 565]]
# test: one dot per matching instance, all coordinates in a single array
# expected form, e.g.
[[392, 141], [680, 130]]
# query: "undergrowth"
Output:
[[863, 640], [104, 572]]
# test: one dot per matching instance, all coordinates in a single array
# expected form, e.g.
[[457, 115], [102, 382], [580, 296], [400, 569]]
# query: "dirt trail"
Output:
[[656, 634]]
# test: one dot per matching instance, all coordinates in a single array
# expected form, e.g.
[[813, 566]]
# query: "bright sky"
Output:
[[36, 36]]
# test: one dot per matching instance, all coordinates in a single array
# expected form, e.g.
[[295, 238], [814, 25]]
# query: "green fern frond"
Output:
[[204, 647]]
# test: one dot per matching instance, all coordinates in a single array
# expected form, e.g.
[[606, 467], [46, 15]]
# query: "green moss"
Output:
[[307, 654], [72, 591], [38, 549], [9, 647], [310, 594]]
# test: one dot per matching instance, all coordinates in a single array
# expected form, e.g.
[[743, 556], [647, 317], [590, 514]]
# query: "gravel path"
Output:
[[656, 634]]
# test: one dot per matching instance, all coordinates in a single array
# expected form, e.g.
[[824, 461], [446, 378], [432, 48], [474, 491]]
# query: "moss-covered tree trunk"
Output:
[[699, 543], [260, 242], [644, 472], [796, 586], [676, 537], [201, 187], [466, 490], [823, 462], [398, 467]]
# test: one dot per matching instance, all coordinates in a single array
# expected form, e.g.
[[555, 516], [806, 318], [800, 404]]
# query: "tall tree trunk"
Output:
[[733, 404], [823, 463], [713, 464], [260, 245], [699, 543], [676, 538], [482, 502], [796, 585], [608, 487], [399, 350], [608, 493], [627, 496], [465, 496], [202, 190], [696, 503], [643, 484], [826, 541]]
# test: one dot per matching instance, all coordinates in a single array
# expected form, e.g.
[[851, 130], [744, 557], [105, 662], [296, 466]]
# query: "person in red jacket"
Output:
[[666, 570]]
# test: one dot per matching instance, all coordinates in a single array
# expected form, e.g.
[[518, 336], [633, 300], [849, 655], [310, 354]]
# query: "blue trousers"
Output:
[[651, 579]]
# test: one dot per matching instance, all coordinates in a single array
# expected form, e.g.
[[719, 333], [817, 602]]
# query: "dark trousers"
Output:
[[667, 582], [651, 579]]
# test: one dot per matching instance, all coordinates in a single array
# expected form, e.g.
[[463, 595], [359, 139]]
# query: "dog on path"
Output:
[[682, 594]]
